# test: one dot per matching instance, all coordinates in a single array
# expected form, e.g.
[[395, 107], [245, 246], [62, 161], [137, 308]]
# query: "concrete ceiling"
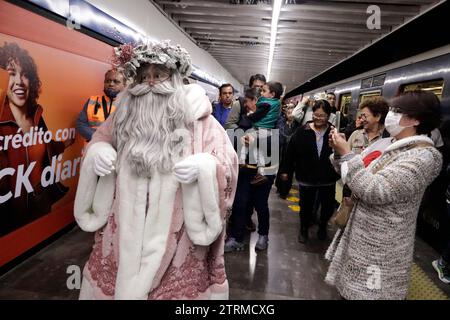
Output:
[[312, 35]]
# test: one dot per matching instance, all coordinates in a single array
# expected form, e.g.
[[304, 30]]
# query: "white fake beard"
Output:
[[150, 128]]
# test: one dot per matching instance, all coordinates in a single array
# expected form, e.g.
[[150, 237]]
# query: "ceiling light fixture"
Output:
[[273, 33]]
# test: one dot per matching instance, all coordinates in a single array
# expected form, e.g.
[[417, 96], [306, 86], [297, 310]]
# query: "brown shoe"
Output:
[[258, 180]]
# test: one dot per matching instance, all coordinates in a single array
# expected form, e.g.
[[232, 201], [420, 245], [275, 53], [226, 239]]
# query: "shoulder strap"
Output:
[[241, 107], [97, 105], [106, 109]]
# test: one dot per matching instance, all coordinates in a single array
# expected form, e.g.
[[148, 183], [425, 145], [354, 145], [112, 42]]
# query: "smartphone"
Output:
[[338, 121]]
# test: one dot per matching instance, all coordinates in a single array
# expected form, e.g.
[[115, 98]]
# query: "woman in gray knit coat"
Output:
[[372, 257]]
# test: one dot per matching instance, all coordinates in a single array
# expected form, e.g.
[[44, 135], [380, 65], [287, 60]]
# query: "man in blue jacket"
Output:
[[222, 109]]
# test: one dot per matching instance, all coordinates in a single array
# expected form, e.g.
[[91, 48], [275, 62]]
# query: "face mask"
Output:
[[392, 123], [111, 93]]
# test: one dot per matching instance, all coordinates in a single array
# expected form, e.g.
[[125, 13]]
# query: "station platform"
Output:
[[288, 270]]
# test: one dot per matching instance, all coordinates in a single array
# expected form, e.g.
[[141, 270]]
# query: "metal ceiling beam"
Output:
[[188, 4], [281, 44], [293, 41], [359, 19], [218, 26], [386, 9], [326, 50], [295, 63], [192, 28], [223, 20], [202, 34], [377, 2]]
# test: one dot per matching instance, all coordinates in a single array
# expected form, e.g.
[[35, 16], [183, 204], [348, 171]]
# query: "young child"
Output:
[[264, 116]]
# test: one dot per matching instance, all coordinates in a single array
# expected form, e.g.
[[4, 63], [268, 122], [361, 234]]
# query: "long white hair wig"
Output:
[[150, 125]]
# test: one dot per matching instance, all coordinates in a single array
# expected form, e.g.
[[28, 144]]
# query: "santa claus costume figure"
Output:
[[156, 184]]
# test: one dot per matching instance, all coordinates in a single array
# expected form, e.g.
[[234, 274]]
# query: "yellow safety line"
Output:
[[422, 287], [294, 208]]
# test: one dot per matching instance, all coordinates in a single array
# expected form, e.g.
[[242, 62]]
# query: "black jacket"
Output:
[[302, 157]]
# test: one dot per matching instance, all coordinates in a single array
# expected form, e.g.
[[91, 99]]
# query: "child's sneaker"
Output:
[[258, 180], [443, 270]]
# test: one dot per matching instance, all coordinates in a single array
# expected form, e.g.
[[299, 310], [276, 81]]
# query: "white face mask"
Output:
[[392, 123]]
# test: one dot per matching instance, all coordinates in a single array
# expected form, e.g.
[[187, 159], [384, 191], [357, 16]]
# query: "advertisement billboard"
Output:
[[47, 72]]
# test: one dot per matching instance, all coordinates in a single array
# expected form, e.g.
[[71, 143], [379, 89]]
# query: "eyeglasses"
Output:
[[322, 116], [157, 77]]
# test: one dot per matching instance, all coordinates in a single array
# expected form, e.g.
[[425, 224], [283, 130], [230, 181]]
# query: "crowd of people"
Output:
[[236, 148], [384, 160]]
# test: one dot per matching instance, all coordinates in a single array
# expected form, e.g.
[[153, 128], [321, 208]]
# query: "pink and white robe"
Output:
[[156, 238]]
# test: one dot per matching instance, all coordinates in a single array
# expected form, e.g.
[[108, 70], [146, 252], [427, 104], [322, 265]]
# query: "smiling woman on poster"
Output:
[[23, 198]]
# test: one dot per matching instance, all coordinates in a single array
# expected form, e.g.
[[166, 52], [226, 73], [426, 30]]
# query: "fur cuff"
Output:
[[202, 218], [95, 194]]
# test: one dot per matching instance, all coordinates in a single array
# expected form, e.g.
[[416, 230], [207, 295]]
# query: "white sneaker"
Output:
[[443, 270], [262, 243]]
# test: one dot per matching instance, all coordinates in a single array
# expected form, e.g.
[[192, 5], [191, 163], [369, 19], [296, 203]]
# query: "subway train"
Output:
[[428, 71]]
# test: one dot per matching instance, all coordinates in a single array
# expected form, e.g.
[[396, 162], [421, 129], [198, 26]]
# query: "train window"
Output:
[[378, 81], [435, 86], [366, 83], [369, 94], [344, 102]]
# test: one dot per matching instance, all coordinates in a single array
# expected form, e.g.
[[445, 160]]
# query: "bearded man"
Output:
[[156, 184]]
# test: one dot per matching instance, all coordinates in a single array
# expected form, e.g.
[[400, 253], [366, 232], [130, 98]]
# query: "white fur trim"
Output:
[[86, 291], [219, 296], [143, 231], [201, 203], [197, 100], [142, 235], [405, 141], [94, 195]]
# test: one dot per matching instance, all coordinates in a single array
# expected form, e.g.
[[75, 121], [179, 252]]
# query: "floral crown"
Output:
[[130, 57]]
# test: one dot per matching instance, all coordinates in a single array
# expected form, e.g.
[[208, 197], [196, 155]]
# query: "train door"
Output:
[[345, 102]]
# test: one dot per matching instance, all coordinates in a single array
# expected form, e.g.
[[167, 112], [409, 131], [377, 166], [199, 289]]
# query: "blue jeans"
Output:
[[246, 192]]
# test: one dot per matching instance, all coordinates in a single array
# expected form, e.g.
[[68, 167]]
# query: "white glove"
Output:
[[105, 162], [186, 171]]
